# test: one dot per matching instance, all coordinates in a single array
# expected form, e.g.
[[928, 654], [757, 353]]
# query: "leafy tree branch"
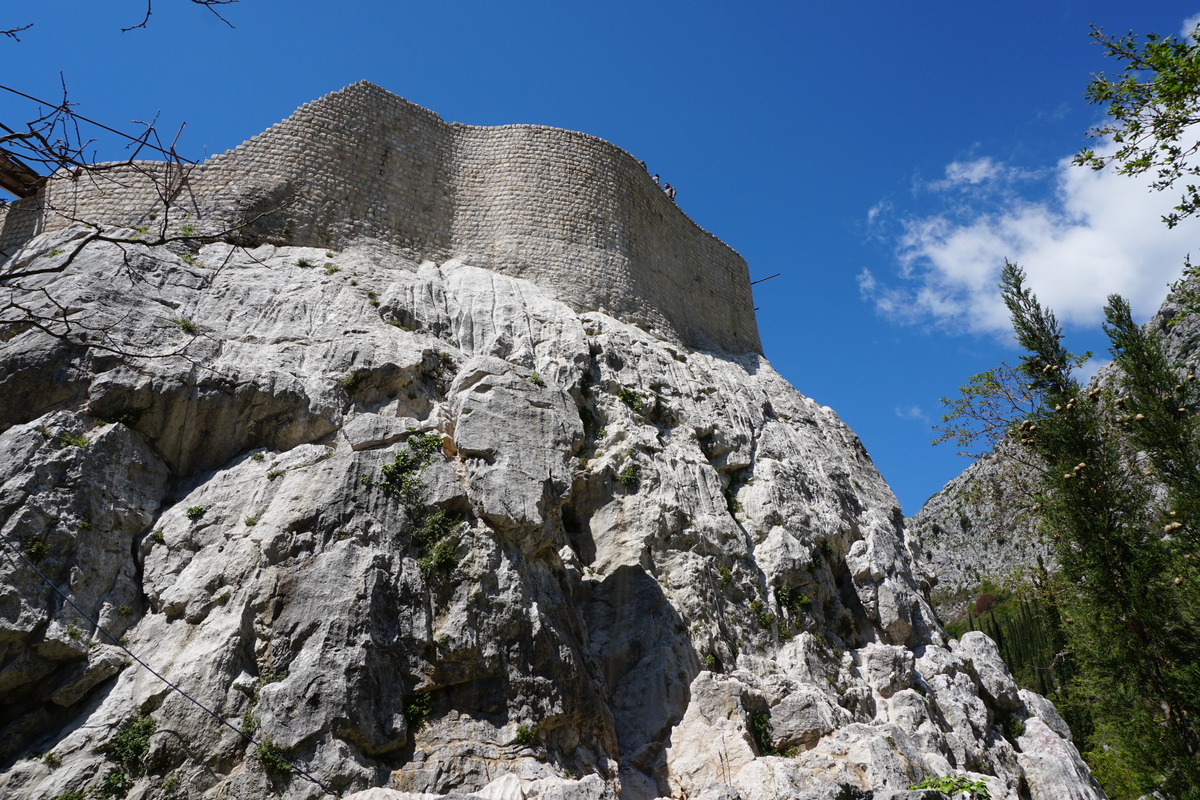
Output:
[[1152, 102]]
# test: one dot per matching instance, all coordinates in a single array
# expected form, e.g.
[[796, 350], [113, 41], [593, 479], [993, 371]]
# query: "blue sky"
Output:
[[884, 157]]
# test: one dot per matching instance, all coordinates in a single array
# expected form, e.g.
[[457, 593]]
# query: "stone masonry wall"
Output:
[[568, 211]]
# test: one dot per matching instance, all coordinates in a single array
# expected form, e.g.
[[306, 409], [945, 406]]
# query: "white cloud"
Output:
[[866, 283], [1099, 233], [1189, 25], [911, 412], [980, 173], [959, 173], [874, 211]]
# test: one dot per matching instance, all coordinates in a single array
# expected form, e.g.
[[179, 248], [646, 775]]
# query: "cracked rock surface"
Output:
[[597, 563]]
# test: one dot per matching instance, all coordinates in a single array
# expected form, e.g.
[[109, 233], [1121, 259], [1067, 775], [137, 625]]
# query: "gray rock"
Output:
[[994, 678], [647, 558]]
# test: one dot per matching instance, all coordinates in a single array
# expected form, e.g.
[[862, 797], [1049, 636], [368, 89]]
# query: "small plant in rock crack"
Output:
[[195, 512], [537, 380], [629, 476], [402, 478], [115, 784], [442, 373], [527, 735], [305, 263], [128, 748], [273, 756], [353, 379], [954, 786], [436, 526], [760, 730], [434, 537], [1013, 726], [793, 600], [726, 576], [272, 676], [441, 557], [186, 325], [68, 439], [249, 723], [35, 550], [759, 610], [433, 531], [418, 709], [632, 399]]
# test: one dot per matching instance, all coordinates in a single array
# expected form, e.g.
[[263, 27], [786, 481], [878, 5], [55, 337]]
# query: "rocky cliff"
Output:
[[286, 521], [979, 528]]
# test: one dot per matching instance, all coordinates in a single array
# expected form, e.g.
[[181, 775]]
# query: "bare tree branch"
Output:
[[12, 32], [209, 4], [54, 140]]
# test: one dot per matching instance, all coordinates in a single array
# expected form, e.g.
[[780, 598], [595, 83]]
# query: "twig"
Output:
[[209, 4], [12, 32]]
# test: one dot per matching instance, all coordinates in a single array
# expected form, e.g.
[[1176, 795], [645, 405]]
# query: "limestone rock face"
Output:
[[979, 528], [597, 562]]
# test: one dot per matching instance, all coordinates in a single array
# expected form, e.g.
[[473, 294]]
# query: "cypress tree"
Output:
[[1128, 626]]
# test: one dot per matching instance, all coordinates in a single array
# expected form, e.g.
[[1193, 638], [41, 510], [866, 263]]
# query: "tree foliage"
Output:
[[1118, 469], [1131, 595], [986, 408], [1151, 104], [989, 405]]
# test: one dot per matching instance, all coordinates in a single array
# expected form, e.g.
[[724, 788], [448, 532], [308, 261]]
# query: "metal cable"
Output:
[[76, 115]]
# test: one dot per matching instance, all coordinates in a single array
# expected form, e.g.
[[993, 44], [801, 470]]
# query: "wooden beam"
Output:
[[16, 177]]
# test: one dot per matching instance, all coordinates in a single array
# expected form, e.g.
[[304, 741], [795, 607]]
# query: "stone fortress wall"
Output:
[[572, 213]]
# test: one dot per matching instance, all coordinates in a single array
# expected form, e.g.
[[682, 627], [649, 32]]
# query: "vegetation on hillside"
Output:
[[1112, 636], [1126, 590]]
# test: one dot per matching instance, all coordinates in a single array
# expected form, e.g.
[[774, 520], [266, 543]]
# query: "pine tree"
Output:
[[1129, 624]]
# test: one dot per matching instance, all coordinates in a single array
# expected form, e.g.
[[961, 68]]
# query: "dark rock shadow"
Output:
[[647, 664]]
